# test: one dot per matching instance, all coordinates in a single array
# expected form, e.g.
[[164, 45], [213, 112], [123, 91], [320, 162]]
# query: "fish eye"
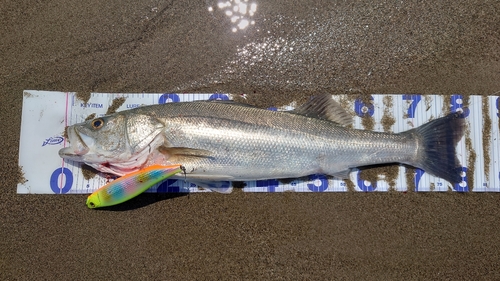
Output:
[[92, 204], [97, 123]]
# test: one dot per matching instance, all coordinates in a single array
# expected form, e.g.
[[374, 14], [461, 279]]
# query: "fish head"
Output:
[[96, 140], [116, 143]]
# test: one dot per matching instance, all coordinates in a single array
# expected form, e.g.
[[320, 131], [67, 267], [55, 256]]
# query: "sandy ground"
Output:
[[293, 49]]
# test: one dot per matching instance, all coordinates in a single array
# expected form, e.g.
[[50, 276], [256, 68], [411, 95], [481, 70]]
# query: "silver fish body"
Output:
[[220, 141]]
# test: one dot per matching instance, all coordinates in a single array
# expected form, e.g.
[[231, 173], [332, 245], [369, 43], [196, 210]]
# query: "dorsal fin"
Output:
[[324, 107]]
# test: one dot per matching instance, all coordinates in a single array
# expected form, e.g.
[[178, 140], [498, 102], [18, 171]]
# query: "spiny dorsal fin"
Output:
[[324, 107]]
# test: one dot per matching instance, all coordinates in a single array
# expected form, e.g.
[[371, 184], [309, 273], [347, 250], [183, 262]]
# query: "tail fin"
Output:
[[437, 147]]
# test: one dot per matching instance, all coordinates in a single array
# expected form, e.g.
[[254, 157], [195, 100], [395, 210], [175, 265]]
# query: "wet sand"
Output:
[[294, 49]]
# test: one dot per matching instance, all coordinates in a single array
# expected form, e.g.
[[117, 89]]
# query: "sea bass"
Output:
[[219, 141]]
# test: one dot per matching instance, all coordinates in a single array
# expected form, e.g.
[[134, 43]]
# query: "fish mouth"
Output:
[[78, 145]]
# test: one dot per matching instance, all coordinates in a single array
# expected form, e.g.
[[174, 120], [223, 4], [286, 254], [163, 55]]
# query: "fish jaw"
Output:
[[82, 149], [77, 148], [127, 163]]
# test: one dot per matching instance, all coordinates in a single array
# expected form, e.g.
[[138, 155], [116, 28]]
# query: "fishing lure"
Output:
[[131, 185]]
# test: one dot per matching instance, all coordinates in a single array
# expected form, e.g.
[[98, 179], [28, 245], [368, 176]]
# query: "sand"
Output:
[[294, 49]]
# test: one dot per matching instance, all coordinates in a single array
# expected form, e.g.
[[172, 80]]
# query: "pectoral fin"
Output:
[[184, 152]]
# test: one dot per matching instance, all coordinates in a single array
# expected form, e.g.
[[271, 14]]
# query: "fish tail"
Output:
[[437, 141]]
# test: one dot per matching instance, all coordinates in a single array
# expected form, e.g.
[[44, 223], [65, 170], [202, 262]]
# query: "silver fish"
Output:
[[224, 141]]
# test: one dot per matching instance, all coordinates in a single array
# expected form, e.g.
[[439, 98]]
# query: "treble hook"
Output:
[[183, 170]]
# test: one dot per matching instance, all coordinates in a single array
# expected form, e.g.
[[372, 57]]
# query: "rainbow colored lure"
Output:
[[131, 185]]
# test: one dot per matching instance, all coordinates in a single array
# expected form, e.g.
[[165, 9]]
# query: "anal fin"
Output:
[[342, 174], [224, 187]]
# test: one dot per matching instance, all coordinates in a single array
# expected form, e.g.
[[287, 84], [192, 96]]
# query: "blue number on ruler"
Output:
[[169, 186], [457, 105], [323, 183], [362, 109], [270, 184], [498, 107], [415, 99], [218, 97], [54, 180], [464, 188], [272, 108], [363, 186], [418, 175], [169, 98]]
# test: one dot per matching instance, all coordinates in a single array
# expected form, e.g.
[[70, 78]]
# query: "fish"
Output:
[[223, 141], [129, 186]]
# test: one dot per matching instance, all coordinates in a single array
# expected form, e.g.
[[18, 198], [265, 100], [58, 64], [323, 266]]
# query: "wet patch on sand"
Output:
[[83, 96], [486, 137], [368, 123], [428, 102], [471, 160], [386, 173], [351, 187], [88, 172], [90, 117], [387, 118], [410, 178], [27, 95], [65, 133], [20, 175], [117, 102]]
